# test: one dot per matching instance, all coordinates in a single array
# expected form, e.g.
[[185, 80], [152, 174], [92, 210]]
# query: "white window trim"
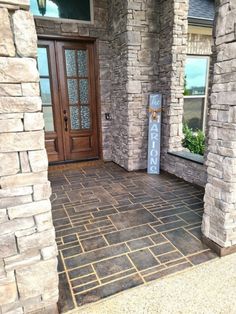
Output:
[[70, 20], [205, 96]]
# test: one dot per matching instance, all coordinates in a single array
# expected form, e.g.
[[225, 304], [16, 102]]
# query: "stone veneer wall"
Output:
[[131, 67], [188, 170], [28, 263], [142, 70], [173, 49], [119, 101], [219, 220], [134, 42], [197, 44], [99, 30]]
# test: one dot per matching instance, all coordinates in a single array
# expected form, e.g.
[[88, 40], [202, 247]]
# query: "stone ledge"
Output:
[[189, 156], [220, 251]]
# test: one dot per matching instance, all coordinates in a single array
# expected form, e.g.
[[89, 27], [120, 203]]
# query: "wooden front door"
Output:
[[68, 91]]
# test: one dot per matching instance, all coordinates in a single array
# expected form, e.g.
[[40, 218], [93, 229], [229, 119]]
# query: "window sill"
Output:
[[188, 156]]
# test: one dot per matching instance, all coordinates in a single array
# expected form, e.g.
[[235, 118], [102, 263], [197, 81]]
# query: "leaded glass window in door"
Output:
[[76, 63]]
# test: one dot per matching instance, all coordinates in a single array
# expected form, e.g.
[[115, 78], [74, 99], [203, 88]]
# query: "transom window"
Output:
[[65, 9], [195, 91]]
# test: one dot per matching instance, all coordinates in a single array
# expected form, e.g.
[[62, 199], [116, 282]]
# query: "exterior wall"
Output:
[[28, 264], [135, 59], [188, 170], [128, 51], [219, 220], [142, 34], [98, 30], [119, 98], [134, 41], [199, 42], [173, 49]]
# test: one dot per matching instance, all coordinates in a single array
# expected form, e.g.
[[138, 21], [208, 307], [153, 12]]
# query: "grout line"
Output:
[[84, 284], [93, 262], [203, 251], [82, 277], [98, 279], [132, 263], [68, 280], [104, 284], [112, 223], [192, 234], [159, 271], [118, 273], [105, 240]]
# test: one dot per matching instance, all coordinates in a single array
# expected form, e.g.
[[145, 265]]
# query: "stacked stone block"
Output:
[[142, 71], [173, 48], [119, 99], [173, 37], [134, 42], [28, 263], [219, 221]]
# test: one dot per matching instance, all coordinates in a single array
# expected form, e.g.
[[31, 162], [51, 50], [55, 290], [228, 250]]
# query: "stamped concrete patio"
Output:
[[116, 230]]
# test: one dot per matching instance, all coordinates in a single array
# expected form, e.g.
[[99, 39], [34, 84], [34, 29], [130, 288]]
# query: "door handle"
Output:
[[66, 121]]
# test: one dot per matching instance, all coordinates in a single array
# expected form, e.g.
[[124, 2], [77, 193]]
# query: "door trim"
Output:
[[76, 38]]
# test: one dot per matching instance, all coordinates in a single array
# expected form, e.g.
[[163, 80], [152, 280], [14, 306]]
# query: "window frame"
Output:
[[206, 95], [91, 2]]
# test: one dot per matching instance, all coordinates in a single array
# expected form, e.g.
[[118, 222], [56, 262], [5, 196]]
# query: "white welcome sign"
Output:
[[154, 135]]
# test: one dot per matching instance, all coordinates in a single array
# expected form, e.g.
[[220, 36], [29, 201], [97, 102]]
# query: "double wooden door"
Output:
[[68, 85]]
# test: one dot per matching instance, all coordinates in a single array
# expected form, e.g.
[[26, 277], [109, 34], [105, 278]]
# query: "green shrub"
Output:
[[194, 141]]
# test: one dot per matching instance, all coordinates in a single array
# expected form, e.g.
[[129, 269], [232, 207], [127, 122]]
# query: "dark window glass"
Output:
[[66, 9], [193, 112]]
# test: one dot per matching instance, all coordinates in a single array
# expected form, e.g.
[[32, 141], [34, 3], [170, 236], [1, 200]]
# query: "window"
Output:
[[45, 88], [195, 91], [65, 9]]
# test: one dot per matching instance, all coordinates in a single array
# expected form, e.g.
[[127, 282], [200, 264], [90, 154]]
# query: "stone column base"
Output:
[[220, 251]]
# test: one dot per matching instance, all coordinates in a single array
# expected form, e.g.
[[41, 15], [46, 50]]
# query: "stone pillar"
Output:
[[134, 41], [142, 74], [219, 220], [119, 101], [173, 49], [28, 263]]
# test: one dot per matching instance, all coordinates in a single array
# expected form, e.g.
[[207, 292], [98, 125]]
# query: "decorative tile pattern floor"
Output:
[[116, 230]]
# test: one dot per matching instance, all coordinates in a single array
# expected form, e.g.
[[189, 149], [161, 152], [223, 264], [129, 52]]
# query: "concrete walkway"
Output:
[[206, 289]]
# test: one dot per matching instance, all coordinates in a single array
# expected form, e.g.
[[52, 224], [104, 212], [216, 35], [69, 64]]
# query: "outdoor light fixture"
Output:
[[42, 6]]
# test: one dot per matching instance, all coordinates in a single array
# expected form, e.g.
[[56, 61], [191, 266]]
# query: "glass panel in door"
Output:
[[78, 88]]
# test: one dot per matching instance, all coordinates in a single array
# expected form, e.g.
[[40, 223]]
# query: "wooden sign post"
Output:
[[154, 135]]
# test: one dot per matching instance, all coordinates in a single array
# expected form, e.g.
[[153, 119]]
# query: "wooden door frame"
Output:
[[93, 40], [52, 69]]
